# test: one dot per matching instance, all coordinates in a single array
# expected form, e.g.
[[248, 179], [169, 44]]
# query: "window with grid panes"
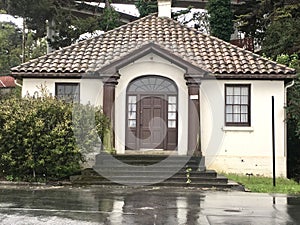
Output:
[[69, 92], [237, 105]]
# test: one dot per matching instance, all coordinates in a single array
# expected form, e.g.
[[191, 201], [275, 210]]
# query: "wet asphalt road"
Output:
[[117, 205]]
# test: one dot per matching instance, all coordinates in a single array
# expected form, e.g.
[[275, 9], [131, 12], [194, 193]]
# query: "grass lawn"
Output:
[[265, 184]]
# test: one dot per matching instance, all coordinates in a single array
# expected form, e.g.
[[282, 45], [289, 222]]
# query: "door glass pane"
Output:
[[131, 99], [132, 111], [132, 123], [172, 107], [132, 115], [172, 111], [171, 116], [172, 99], [172, 124]]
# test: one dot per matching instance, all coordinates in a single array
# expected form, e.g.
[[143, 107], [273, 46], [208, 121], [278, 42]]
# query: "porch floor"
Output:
[[150, 152]]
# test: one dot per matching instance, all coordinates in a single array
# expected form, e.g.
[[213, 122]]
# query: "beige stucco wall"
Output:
[[90, 89], [243, 149], [151, 65]]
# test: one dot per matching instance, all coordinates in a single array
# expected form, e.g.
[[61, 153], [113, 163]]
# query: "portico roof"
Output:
[[203, 52]]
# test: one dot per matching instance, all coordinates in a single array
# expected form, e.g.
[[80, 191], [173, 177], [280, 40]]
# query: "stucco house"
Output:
[[167, 87]]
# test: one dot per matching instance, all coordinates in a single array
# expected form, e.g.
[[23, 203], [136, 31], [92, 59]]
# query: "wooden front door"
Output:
[[151, 114], [152, 122]]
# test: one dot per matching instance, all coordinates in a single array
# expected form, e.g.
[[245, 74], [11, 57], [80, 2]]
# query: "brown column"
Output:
[[194, 146], [109, 102]]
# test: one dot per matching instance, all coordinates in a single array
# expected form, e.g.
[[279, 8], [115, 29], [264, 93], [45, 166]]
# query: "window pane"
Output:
[[229, 90], [237, 100], [229, 109], [172, 124], [237, 91], [244, 91], [244, 109], [229, 118], [236, 109], [229, 99], [244, 99], [244, 118], [236, 118]]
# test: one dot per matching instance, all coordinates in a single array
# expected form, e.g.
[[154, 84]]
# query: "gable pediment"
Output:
[[152, 48]]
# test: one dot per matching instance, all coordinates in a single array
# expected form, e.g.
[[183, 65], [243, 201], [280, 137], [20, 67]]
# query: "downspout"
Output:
[[289, 85], [16, 83]]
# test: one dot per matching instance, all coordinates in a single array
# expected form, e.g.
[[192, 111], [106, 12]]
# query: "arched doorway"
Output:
[[151, 113]]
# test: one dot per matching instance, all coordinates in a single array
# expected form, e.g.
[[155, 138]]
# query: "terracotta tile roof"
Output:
[[209, 53], [7, 82]]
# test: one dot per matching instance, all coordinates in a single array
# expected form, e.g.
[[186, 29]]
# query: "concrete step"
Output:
[[151, 159], [165, 183], [180, 173], [154, 170], [149, 179]]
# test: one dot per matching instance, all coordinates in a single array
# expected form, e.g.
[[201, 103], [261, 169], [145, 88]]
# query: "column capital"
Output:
[[192, 80], [110, 79]]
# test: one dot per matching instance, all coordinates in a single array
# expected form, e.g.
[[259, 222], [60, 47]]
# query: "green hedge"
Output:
[[45, 138]]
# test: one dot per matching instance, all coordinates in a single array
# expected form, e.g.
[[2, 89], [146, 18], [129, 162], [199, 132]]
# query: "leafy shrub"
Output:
[[46, 138]]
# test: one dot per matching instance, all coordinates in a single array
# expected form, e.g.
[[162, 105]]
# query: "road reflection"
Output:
[[149, 205]]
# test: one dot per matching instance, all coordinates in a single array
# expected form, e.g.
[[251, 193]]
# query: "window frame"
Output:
[[238, 124], [68, 84]]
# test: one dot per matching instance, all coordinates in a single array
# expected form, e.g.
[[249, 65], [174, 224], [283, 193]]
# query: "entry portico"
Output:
[[162, 91]]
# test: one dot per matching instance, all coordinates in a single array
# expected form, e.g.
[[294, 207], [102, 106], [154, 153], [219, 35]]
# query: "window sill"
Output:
[[237, 129]]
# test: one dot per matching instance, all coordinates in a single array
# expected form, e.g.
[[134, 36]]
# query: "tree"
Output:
[[146, 7], [283, 33], [293, 117], [220, 18], [68, 21], [10, 46], [274, 24]]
